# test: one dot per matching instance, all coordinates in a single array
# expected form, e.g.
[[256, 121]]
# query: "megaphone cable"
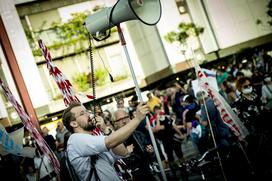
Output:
[[92, 73], [111, 78]]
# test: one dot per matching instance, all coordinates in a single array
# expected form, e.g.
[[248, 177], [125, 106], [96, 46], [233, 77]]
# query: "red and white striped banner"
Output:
[[226, 113], [64, 84], [31, 128]]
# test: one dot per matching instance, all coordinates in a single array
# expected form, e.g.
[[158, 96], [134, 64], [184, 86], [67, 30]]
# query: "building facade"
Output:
[[228, 27]]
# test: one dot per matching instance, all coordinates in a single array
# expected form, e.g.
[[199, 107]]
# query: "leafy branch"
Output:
[[185, 30]]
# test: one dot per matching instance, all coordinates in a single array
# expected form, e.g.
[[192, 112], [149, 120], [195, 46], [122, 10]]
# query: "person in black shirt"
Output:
[[248, 105], [49, 139], [136, 144]]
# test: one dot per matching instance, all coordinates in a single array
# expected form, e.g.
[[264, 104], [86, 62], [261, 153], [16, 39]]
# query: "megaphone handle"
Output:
[[121, 35]]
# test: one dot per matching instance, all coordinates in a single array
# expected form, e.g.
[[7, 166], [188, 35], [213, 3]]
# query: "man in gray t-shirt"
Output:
[[61, 131], [82, 144]]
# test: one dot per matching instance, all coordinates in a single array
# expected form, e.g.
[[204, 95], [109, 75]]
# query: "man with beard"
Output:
[[82, 145]]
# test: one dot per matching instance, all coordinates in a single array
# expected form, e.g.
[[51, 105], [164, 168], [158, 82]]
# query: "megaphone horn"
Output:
[[147, 11]]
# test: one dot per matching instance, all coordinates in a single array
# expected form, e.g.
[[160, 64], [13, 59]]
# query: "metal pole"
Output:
[[138, 92], [210, 125]]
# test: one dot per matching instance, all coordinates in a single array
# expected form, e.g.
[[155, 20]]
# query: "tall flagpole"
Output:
[[210, 125], [214, 142], [138, 92]]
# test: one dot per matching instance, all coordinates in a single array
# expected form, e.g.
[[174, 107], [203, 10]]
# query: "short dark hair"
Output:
[[68, 116], [241, 81]]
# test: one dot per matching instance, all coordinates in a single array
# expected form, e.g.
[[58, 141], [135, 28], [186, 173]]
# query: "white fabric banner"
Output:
[[226, 113]]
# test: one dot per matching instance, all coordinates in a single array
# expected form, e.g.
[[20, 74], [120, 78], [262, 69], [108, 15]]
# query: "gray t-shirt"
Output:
[[81, 146], [60, 136]]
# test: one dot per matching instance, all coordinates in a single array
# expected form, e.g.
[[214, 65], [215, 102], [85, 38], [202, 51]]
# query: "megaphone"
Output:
[[147, 11]]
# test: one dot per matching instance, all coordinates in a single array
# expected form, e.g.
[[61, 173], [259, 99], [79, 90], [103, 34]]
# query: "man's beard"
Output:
[[89, 127]]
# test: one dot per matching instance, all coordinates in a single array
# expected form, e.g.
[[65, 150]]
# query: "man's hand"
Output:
[[141, 111], [100, 123], [130, 148]]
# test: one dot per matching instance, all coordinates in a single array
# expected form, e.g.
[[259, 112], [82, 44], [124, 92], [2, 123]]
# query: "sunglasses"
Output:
[[246, 86], [122, 119]]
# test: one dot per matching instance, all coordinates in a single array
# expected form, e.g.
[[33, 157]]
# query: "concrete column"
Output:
[[23, 53]]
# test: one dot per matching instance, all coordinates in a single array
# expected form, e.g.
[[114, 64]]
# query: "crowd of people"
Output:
[[177, 114]]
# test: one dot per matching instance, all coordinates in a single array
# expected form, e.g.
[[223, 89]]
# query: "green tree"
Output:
[[185, 30], [81, 82], [73, 29]]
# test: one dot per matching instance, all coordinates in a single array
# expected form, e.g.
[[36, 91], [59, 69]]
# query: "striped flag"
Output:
[[63, 83], [226, 113], [32, 128]]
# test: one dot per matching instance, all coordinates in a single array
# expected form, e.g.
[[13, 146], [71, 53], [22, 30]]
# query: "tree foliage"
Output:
[[73, 29], [185, 30]]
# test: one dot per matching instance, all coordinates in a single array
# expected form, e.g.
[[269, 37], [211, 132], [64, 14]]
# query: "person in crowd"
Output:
[[246, 70], [178, 124], [249, 105], [157, 92], [152, 101], [61, 131], [121, 104], [31, 174], [45, 171], [82, 144], [238, 76], [189, 89], [165, 104], [228, 92], [257, 82], [175, 97], [199, 136], [267, 93], [165, 130], [98, 110], [190, 108], [138, 145], [108, 119], [267, 61], [211, 115], [49, 139]]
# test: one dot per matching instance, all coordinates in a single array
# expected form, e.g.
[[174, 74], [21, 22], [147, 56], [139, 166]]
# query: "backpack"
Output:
[[68, 173]]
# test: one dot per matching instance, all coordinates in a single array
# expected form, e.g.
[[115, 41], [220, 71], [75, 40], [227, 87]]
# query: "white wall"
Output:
[[146, 42], [169, 21], [207, 39], [234, 21], [23, 53]]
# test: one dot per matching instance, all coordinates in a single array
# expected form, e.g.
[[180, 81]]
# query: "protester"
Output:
[[49, 139], [211, 115], [165, 131], [153, 101], [121, 104], [44, 169], [248, 105], [267, 93], [61, 131], [138, 159], [82, 144]]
